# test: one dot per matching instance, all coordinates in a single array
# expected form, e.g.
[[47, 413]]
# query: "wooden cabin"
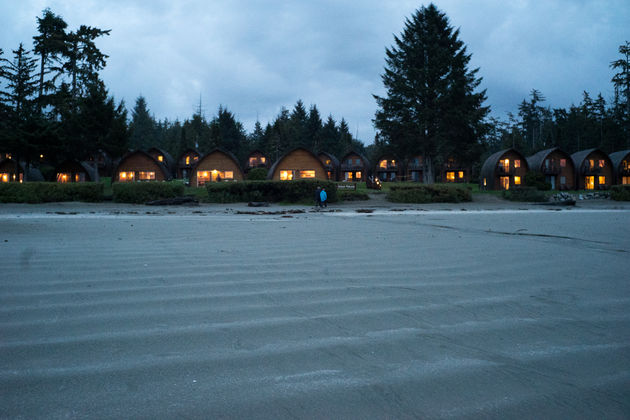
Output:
[[388, 168], [256, 159], [140, 166], [621, 167], [10, 171], [354, 167], [414, 169], [186, 163], [165, 159], [75, 171], [216, 166], [503, 170], [454, 171], [102, 162], [594, 170], [299, 163], [557, 167], [331, 164]]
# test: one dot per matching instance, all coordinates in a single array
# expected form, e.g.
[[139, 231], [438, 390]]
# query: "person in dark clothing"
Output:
[[318, 202]]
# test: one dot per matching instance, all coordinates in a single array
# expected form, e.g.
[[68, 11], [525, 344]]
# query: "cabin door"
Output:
[[552, 181], [589, 182], [505, 182]]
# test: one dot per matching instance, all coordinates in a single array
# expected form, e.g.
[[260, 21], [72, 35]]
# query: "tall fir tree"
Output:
[[142, 127], [50, 44], [431, 107]]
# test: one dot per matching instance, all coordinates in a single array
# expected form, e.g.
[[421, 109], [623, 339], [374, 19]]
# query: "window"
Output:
[[460, 174], [602, 163], [485, 183], [64, 177], [517, 163], [187, 160], [563, 180], [263, 159], [624, 180], [228, 175], [347, 176], [382, 164], [602, 180], [307, 174], [161, 158], [393, 163], [589, 182], [505, 182], [591, 163], [327, 161], [4, 177], [563, 163], [625, 165], [517, 180], [202, 177], [286, 175], [546, 163], [146, 176], [357, 175], [252, 161], [450, 176], [126, 176], [80, 177], [357, 162]]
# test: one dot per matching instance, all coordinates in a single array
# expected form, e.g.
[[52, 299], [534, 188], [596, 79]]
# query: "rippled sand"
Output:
[[336, 315]]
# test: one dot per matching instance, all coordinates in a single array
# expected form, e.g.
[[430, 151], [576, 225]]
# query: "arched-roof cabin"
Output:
[[140, 166], [354, 167], [594, 169], [414, 169], [557, 167], [388, 168], [186, 162], [454, 170], [218, 165], [503, 170], [621, 166], [75, 171], [103, 163], [256, 159], [8, 172], [331, 164], [164, 158], [297, 164]]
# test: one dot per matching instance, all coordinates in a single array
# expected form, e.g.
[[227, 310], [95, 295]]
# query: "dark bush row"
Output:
[[620, 192], [49, 192], [350, 195], [141, 192], [434, 193], [528, 194], [270, 191]]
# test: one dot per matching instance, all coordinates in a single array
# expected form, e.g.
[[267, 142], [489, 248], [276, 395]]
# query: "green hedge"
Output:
[[433, 193], [528, 194], [620, 192], [536, 180], [49, 192], [141, 192], [270, 191], [257, 174]]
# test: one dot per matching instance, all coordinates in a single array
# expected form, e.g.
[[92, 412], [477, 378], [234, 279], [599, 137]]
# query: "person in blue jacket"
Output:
[[322, 198]]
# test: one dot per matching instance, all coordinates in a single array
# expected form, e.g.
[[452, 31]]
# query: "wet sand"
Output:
[[110, 312]]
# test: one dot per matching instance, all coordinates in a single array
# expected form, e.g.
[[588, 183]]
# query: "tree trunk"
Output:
[[428, 177]]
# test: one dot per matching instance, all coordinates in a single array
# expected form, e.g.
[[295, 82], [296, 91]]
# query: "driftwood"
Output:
[[173, 201]]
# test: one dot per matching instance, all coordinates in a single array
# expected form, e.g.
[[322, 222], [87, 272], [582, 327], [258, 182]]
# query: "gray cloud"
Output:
[[256, 56]]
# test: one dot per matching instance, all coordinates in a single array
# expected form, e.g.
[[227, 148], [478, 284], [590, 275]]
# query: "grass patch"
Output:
[[352, 195]]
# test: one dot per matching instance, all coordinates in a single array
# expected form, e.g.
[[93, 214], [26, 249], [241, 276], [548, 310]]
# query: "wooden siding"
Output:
[[583, 170], [139, 162], [300, 160], [216, 161]]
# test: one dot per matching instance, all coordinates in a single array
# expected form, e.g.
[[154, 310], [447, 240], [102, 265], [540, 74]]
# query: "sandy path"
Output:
[[498, 314]]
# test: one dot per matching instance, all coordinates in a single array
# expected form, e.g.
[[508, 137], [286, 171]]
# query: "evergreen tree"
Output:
[[257, 137], [298, 121], [50, 45], [621, 80], [314, 128], [431, 107], [330, 136], [83, 59], [143, 127]]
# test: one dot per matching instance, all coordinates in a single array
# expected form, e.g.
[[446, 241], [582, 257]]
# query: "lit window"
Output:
[[146, 176], [79, 177], [382, 164], [327, 161], [393, 162], [228, 175], [506, 163], [63, 177], [161, 158], [602, 180], [589, 182], [202, 177], [126, 176], [460, 174], [307, 174], [591, 163], [348, 176], [4, 177], [625, 180], [286, 175], [450, 176], [505, 182], [517, 180], [357, 175], [602, 163], [563, 163], [517, 163], [485, 183], [187, 160], [329, 175], [252, 161]]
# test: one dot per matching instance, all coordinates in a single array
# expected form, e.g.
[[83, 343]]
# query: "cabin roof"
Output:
[[273, 168], [535, 161], [333, 159], [165, 171], [487, 170], [90, 170], [365, 160], [579, 157], [222, 151], [617, 157]]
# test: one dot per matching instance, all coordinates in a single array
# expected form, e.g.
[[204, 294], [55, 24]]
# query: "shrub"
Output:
[[529, 194], [141, 192], [434, 193], [350, 195], [620, 192], [48, 192], [271, 191], [257, 174], [536, 180]]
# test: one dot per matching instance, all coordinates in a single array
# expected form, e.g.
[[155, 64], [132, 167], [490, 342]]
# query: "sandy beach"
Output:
[[479, 310]]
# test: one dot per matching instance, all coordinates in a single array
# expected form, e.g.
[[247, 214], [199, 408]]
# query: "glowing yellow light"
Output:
[[41, 156], [263, 159], [187, 160], [460, 174], [450, 176], [602, 180], [517, 180], [307, 174], [161, 158], [382, 164], [484, 182], [357, 175], [5, 177], [589, 182]]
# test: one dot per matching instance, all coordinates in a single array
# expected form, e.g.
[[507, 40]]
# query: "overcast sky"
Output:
[[254, 57]]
